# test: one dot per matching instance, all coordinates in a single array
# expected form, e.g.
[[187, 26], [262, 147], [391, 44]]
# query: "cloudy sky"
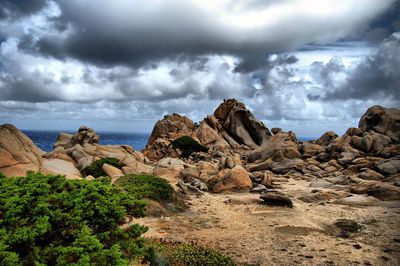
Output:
[[303, 65]]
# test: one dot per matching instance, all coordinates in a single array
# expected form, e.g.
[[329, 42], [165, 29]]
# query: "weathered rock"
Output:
[[259, 189], [385, 121], [84, 135], [112, 171], [327, 138], [384, 192], [369, 174], [286, 165], [266, 180], [261, 166], [60, 167], [164, 131], [389, 167], [64, 140], [18, 154], [77, 153], [207, 135], [190, 173], [348, 155], [230, 163], [380, 141], [235, 180], [322, 196], [278, 147], [188, 189], [310, 150], [276, 198], [242, 125], [355, 200], [168, 162], [276, 130]]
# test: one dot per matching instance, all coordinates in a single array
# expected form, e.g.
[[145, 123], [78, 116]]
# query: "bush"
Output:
[[95, 168], [188, 145], [46, 219], [174, 253], [146, 186]]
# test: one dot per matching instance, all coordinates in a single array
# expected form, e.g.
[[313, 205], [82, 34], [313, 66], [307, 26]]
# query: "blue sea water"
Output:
[[46, 139]]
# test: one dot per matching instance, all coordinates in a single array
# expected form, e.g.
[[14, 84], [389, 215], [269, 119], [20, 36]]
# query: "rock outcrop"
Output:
[[18, 154], [382, 120], [241, 124], [231, 125], [84, 136]]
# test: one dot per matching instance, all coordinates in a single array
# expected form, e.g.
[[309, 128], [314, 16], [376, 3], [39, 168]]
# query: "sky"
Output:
[[303, 65]]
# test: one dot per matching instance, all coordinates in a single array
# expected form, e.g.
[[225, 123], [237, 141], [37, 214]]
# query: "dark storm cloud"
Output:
[[135, 33], [375, 76], [385, 24], [12, 9]]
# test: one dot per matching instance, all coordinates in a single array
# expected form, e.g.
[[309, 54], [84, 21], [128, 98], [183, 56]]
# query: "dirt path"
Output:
[[255, 234]]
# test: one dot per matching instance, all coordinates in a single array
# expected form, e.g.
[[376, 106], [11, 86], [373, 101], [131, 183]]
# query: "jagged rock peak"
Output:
[[241, 124]]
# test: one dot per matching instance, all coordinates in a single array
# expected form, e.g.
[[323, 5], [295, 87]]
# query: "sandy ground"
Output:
[[255, 234]]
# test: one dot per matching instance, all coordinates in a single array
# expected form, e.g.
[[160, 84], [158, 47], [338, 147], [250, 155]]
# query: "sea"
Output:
[[46, 139]]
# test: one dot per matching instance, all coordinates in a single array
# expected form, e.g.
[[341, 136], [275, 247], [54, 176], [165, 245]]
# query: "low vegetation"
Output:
[[188, 145], [48, 220], [176, 253], [95, 168], [146, 187]]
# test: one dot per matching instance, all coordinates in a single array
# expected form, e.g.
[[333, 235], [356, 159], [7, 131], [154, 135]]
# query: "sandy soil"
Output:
[[255, 234]]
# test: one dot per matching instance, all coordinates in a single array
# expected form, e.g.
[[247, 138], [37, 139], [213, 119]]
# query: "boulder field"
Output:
[[243, 154], [247, 164]]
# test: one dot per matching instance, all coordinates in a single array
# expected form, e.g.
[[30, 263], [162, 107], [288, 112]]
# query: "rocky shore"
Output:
[[260, 192]]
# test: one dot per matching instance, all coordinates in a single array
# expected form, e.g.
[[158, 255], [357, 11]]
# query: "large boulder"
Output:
[[236, 179], [18, 154], [327, 138], [278, 147], [61, 167], [382, 120]]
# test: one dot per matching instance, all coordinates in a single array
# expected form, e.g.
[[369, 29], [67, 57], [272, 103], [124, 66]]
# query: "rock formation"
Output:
[[18, 154], [243, 154], [231, 125]]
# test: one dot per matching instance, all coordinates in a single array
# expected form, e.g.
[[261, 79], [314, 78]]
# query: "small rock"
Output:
[[276, 198], [259, 189]]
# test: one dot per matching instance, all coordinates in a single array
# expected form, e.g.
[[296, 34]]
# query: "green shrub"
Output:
[[95, 169], [46, 219], [174, 253], [188, 145], [146, 186], [2, 175]]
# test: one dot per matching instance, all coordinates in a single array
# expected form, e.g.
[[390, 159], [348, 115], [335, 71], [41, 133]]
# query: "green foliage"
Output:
[[2, 175], [46, 219], [174, 253], [95, 169], [188, 145], [146, 186]]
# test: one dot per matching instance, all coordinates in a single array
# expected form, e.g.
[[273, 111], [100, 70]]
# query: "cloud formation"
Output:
[[138, 60]]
